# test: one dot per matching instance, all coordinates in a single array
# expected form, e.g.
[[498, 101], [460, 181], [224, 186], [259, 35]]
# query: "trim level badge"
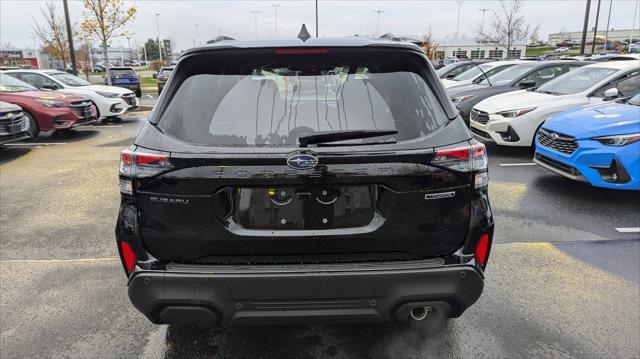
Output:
[[440, 195]]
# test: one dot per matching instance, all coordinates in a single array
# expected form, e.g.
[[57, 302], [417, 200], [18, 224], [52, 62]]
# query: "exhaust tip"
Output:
[[420, 313]]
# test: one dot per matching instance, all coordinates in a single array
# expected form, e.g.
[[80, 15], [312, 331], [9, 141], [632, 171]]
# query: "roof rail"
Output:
[[219, 38]]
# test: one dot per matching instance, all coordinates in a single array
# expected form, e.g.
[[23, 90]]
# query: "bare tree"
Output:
[[106, 19], [429, 44], [53, 33], [507, 26], [534, 38]]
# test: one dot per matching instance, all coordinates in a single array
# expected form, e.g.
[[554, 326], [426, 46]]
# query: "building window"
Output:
[[477, 54], [460, 53], [495, 54], [515, 54], [439, 55]]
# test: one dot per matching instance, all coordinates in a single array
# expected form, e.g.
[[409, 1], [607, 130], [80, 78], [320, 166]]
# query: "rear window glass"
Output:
[[122, 72], [275, 101]]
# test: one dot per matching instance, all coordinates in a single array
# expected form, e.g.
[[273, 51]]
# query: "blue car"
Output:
[[125, 77], [598, 145]]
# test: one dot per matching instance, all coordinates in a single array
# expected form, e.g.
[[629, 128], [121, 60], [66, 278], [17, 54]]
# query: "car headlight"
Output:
[[107, 94], [515, 113], [49, 103], [458, 99], [618, 140]]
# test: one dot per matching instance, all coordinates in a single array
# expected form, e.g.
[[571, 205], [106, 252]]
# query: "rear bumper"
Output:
[[289, 294]]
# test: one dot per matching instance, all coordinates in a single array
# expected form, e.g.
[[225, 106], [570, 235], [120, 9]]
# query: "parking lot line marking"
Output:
[[628, 230], [105, 259], [518, 164], [35, 144], [107, 126]]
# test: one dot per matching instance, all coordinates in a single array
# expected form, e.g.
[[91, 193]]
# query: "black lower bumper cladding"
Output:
[[230, 296]]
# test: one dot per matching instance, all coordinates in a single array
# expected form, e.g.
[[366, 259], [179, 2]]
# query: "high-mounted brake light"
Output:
[[482, 250], [128, 256], [316, 50], [138, 164]]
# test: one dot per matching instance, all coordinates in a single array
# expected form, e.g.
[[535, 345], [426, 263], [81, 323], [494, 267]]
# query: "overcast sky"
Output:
[[337, 18]]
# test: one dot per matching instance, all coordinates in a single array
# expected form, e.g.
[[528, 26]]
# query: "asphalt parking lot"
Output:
[[563, 279]]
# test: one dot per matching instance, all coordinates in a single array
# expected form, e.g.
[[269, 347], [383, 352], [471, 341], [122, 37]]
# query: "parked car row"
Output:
[[523, 106], [52, 100]]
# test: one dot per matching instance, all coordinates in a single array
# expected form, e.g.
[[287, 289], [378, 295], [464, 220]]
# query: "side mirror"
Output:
[[527, 84], [50, 87], [155, 76], [611, 93], [450, 76]]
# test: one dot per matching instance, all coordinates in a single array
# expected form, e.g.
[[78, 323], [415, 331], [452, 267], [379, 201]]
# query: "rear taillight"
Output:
[[141, 164], [128, 256], [471, 158], [482, 250]]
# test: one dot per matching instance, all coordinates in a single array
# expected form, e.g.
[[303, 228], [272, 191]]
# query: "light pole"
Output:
[[584, 27], [378, 26], [316, 18], [255, 21], [129, 49], [482, 23], [196, 40], [458, 23], [606, 33], [633, 24], [275, 8], [595, 30], [158, 38], [121, 55], [70, 38]]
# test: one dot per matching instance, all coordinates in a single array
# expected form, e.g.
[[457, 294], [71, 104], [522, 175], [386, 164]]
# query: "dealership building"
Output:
[[470, 48], [576, 36]]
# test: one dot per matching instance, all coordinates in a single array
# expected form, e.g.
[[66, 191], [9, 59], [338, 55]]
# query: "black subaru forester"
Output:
[[293, 181]]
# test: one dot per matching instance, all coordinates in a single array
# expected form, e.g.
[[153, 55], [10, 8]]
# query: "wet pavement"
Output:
[[561, 281]]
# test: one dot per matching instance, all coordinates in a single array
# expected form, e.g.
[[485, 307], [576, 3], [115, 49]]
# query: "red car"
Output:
[[47, 111]]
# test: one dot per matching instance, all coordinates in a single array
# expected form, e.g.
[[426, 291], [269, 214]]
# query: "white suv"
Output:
[[110, 101], [512, 119]]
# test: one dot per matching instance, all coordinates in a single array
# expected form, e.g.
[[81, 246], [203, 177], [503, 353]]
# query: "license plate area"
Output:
[[304, 207]]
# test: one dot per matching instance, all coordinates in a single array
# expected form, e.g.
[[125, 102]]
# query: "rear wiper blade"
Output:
[[335, 136]]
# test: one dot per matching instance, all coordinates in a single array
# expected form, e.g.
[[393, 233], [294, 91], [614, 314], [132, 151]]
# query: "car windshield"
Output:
[[69, 79], [166, 72], [508, 75], [445, 69], [577, 80], [122, 73], [275, 103], [635, 100], [473, 72], [12, 84]]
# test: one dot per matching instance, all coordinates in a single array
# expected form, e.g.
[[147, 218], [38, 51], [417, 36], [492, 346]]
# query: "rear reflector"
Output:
[[301, 51], [482, 250], [128, 256]]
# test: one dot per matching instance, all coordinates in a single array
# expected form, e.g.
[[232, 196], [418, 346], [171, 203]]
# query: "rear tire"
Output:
[[34, 129]]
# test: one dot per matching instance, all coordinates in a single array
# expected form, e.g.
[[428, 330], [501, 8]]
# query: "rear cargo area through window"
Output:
[[266, 99]]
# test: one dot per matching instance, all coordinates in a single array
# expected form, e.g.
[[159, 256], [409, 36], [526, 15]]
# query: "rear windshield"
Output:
[[122, 72], [273, 100]]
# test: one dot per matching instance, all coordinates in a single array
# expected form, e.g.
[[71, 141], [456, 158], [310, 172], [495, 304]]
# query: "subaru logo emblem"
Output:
[[11, 116], [554, 136], [302, 161]]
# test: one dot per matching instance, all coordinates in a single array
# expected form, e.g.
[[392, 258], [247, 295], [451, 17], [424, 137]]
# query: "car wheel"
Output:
[[34, 129], [138, 93]]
